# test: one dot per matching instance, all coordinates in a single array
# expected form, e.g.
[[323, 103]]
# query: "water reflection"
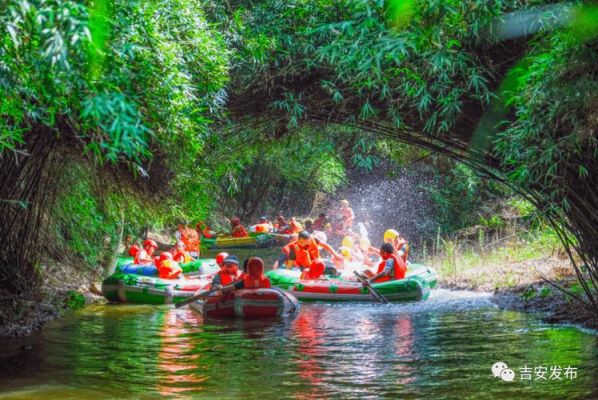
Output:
[[436, 349]]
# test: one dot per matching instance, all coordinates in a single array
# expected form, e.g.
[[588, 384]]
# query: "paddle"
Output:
[[203, 294], [375, 294]]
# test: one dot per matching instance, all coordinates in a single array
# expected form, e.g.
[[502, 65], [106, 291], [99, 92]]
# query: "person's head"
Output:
[[345, 252], [231, 264], [263, 220], [303, 238], [235, 221], [220, 257], [308, 224], [390, 235], [179, 246], [347, 242], [386, 250], [255, 267], [280, 219], [344, 203], [181, 226], [150, 246], [322, 216]]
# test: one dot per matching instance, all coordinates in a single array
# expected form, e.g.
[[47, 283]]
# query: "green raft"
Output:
[[125, 286], [416, 286], [254, 241]]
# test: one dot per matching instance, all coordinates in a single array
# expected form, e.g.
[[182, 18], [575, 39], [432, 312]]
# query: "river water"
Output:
[[442, 348]]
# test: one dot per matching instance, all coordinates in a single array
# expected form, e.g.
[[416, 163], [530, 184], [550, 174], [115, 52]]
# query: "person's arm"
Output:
[[329, 249], [236, 285], [387, 271]]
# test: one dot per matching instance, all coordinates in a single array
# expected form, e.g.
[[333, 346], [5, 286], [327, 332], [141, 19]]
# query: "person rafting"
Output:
[[253, 278], [400, 244], [283, 258], [203, 229], [283, 227], [167, 267], [392, 267], [320, 223], [228, 273], [305, 253], [347, 215], [368, 251], [144, 256], [190, 238], [237, 230], [179, 254]]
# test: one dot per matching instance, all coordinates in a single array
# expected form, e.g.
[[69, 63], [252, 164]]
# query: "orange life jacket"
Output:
[[400, 268], [190, 237], [305, 257]]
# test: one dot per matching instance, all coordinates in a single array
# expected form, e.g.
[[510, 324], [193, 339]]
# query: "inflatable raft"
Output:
[[255, 240], [416, 286], [248, 304], [201, 266], [140, 284]]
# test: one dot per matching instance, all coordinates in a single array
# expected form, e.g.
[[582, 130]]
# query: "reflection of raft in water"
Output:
[[416, 286], [255, 240], [139, 283], [248, 304]]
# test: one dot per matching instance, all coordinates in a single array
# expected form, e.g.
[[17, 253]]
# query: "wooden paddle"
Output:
[[375, 294]]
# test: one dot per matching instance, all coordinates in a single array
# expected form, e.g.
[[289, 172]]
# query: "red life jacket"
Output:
[[225, 278], [239, 232], [169, 269], [400, 268], [253, 282]]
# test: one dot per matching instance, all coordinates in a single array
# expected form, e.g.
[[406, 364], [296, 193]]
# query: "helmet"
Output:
[[347, 242], [220, 258], [255, 267], [346, 252], [231, 260], [150, 243], [345, 203], [390, 235]]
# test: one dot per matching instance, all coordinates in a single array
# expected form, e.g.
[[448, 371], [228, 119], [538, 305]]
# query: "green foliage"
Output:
[[74, 300], [113, 74]]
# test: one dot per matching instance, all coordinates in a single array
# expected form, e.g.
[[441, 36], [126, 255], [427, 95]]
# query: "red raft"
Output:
[[249, 304]]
